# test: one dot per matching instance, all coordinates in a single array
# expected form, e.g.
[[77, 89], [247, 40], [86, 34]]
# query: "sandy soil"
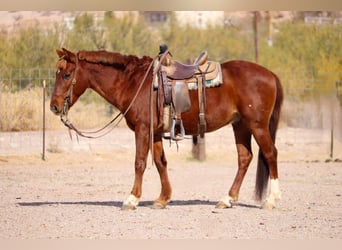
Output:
[[77, 192]]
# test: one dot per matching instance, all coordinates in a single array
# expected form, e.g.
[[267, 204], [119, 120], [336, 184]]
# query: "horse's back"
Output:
[[245, 72]]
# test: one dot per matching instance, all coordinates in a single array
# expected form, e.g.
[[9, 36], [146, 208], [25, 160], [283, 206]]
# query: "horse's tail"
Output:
[[263, 173]]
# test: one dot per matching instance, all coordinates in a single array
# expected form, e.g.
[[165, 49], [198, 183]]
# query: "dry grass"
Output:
[[20, 110], [23, 111]]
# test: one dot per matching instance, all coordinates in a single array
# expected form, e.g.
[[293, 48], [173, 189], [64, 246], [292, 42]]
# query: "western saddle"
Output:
[[172, 81]]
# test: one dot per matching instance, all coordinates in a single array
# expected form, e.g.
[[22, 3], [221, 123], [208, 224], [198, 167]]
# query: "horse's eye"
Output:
[[66, 77]]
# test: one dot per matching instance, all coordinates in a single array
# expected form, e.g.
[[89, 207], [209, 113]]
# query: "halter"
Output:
[[68, 97], [68, 101]]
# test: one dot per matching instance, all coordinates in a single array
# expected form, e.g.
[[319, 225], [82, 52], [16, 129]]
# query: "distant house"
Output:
[[154, 18], [322, 17], [198, 19]]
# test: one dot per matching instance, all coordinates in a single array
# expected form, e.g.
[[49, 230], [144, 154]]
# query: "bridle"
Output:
[[91, 134]]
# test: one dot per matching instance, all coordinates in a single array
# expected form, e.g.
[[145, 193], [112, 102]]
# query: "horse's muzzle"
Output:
[[54, 109]]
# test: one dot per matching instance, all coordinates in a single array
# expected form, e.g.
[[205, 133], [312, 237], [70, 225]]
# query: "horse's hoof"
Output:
[[128, 207], [225, 202], [158, 205], [131, 203], [268, 205], [222, 205]]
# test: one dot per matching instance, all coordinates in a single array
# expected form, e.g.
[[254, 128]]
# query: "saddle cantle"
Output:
[[174, 80], [179, 71]]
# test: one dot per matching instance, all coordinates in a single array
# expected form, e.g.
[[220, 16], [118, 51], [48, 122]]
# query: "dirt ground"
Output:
[[77, 192]]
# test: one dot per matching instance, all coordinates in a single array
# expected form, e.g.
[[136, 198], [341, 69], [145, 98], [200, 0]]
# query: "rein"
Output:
[[86, 134]]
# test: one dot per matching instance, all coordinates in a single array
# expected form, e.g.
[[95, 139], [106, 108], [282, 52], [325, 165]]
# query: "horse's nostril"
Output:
[[54, 109]]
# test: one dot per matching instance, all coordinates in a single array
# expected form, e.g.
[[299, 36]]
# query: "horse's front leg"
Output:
[[141, 144], [161, 163]]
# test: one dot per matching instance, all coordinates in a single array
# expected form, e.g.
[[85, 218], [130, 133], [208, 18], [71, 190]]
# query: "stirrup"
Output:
[[180, 136]]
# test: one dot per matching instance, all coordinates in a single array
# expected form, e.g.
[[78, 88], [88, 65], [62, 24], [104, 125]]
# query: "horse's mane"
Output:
[[109, 58]]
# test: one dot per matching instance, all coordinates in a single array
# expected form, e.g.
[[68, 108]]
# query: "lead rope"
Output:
[[155, 71], [151, 123]]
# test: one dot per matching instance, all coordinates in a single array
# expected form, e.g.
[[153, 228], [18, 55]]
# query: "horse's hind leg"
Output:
[[243, 146], [161, 163], [269, 156]]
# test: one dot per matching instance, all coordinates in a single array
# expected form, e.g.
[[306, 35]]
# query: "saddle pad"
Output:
[[208, 84], [212, 79]]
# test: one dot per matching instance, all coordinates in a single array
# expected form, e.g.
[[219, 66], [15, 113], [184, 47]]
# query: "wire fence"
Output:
[[21, 78], [311, 109]]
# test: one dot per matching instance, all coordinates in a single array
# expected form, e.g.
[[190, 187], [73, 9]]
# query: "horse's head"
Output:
[[66, 91]]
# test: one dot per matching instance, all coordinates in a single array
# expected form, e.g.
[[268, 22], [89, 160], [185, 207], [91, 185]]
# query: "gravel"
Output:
[[77, 193]]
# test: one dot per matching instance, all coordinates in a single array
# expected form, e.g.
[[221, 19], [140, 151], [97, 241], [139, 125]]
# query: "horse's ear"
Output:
[[69, 55], [60, 53], [66, 51]]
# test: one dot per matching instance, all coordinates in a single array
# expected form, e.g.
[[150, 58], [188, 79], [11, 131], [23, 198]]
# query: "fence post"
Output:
[[198, 147], [44, 90], [332, 132]]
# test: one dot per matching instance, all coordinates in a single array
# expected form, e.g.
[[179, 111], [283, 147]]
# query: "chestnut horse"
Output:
[[249, 98]]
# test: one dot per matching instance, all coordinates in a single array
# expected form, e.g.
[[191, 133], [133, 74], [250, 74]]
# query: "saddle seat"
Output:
[[178, 71]]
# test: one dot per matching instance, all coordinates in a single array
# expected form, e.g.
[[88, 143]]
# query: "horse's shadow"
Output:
[[120, 203]]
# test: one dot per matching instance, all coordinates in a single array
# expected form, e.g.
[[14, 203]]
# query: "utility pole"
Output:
[[270, 28], [255, 29]]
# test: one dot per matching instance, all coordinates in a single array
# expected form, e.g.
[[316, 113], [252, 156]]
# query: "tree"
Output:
[[131, 35], [312, 50]]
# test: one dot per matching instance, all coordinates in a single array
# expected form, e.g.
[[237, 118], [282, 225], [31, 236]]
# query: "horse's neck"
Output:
[[114, 86]]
